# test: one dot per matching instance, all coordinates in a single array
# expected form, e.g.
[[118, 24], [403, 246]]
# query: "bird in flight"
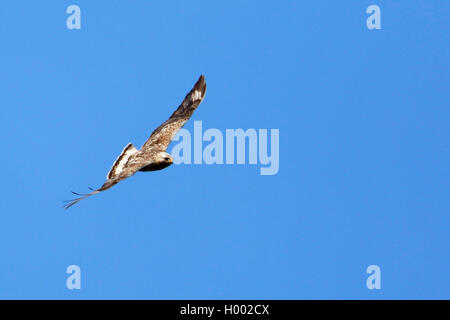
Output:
[[153, 155]]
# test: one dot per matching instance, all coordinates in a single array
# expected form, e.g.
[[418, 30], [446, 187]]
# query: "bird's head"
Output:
[[164, 157]]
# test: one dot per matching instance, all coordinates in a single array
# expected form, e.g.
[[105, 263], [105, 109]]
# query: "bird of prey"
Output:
[[153, 155]]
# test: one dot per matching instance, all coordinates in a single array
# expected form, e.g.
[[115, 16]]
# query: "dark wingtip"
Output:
[[201, 81], [201, 84]]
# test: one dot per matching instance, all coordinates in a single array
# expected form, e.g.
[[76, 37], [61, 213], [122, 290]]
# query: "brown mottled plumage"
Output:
[[153, 155]]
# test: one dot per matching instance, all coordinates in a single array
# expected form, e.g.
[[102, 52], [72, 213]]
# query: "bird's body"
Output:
[[153, 155]]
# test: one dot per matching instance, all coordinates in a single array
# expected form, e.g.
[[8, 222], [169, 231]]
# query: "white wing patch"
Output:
[[196, 95], [121, 161]]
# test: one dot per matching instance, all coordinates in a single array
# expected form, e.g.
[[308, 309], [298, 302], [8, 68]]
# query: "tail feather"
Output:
[[108, 184], [84, 196]]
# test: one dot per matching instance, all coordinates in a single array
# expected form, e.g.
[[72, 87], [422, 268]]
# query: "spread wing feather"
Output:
[[164, 133]]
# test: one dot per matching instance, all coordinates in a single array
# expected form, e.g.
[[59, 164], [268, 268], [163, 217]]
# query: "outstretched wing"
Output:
[[127, 164], [121, 161], [165, 132]]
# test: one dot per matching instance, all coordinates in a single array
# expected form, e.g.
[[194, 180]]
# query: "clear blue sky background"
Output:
[[364, 150]]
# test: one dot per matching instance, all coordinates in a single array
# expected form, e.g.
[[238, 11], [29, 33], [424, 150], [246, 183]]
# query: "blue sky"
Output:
[[364, 150]]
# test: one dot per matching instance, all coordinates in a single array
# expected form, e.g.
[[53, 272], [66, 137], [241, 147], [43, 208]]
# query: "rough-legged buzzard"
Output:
[[153, 155]]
